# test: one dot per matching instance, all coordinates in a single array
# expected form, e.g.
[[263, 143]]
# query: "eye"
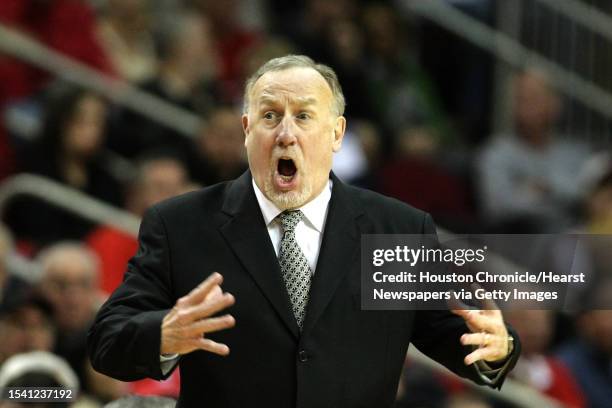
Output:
[[269, 115], [303, 116]]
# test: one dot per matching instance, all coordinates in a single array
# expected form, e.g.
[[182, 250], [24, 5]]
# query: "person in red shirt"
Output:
[[158, 177]]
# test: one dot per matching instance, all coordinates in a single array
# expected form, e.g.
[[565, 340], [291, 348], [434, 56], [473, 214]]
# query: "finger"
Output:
[[465, 313], [214, 293], [211, 325], [479, 322], [199, 293], [207, 309], [467, 317], [214, 347], [476, 355], [476, 339]]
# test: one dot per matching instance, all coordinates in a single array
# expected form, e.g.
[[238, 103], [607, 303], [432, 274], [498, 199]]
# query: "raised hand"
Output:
[[488, 332], [184, 329]]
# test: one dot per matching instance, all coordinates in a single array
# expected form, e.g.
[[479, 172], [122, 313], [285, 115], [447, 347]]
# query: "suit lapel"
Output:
[[339, 248], [247, 235]]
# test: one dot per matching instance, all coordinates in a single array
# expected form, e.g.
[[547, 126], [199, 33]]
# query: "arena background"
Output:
[[492, 115]]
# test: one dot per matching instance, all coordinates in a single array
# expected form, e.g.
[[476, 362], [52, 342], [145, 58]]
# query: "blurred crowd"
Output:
[[406, 138]]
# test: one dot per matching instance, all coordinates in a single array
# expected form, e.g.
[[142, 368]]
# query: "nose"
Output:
[[286, 132]]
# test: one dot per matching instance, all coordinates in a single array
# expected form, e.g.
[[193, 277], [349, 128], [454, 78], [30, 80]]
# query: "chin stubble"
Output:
[[286, 200]]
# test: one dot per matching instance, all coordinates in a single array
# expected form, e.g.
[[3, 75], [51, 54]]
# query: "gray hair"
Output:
[[298, 61], [55, 252], [136, 401]]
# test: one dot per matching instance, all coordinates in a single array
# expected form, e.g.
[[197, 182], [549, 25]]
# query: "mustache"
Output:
[[287, 153]]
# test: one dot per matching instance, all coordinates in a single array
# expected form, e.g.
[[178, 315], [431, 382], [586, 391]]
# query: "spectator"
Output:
[[345, 51], [186, 69], [70, 281], [221, 147], [69, 146], [531, 176], [231, 40], [589, 357], [420, 386], [367, 137], [545, 373], [68, 150], [26, 324], [307, 27], [125, 33], [158, 176], [419, 175], [53, 24], [400, 91]]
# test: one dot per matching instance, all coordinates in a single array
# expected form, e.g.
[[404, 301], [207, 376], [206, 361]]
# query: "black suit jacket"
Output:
[[344, 357]]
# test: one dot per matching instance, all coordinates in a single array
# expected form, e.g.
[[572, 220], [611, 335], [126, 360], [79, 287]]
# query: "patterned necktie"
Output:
[[294, 266]]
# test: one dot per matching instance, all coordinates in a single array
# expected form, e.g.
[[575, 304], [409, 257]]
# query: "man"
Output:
[[158, 176], [297, 334], [69, 281], [220, 147], [531, 178]]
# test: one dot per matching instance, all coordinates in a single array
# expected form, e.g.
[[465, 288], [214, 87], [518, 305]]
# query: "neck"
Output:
[[74, 172]]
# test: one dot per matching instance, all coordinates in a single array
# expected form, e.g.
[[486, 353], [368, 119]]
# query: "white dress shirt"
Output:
[[308, 232]]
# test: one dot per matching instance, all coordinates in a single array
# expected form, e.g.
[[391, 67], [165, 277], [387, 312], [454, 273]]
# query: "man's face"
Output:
[[69, 285], [291, 133]]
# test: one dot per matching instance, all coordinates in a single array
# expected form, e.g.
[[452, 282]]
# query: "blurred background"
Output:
[[492, 115]]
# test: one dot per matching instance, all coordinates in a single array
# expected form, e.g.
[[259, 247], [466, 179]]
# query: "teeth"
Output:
[[286, 178]]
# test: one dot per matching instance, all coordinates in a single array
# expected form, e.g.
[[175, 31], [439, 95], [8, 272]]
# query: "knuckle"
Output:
[[182, 315]]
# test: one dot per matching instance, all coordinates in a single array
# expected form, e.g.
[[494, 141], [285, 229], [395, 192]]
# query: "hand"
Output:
[[488, 332], [184, 329]]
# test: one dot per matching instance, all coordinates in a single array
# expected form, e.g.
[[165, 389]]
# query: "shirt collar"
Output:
[[314, 211]]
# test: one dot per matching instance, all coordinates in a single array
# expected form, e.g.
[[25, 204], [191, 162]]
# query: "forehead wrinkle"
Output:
[[272, 99]]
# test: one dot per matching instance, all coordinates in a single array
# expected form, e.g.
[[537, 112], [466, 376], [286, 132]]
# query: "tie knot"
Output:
[[289, 219]]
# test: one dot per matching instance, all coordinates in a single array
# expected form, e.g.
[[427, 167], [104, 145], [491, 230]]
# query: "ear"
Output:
[[338, 133], [245, 127]]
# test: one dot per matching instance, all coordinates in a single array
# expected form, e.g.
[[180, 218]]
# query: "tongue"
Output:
[[286, 167]]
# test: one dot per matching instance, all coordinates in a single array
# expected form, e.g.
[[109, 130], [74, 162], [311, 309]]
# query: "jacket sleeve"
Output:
[[437, 334], [124, 340]]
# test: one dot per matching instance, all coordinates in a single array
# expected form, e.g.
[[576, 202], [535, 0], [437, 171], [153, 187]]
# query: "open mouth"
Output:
[[286, 169], [286, 177]]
